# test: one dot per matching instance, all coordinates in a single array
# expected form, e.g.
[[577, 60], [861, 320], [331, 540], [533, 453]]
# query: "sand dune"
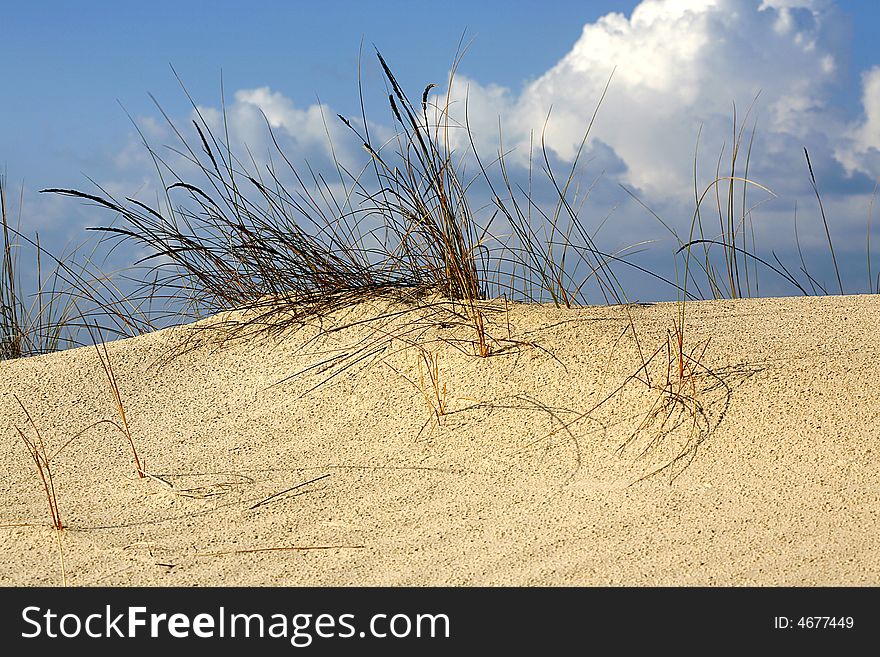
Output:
[[548, 465]]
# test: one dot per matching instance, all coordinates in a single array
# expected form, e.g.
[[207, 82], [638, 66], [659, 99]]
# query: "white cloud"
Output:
[[306, 133], [679, 64], [813, 5], [133, 156], [861, 151], [310, 136]]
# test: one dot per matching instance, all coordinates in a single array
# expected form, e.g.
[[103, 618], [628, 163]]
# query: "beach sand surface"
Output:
[[575, 454]]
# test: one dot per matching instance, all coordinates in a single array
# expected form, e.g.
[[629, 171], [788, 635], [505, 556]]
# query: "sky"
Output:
[[74, 75]]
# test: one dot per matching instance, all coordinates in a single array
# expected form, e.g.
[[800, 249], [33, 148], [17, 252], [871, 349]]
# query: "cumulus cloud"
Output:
[[312, 133], [678, 65], [861, 151], [258, 121]]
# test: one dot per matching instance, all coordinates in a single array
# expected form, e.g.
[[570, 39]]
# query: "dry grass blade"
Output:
[[40, 456], [37, 450], [824, 220], [437, 400], [287, 490], [107, 366], [871, 285], [282, 549]]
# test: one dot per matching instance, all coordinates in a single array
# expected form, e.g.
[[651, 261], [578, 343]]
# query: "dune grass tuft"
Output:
[[287, 245], [42, 460], [70, 296], [27, 327], [37, 449]]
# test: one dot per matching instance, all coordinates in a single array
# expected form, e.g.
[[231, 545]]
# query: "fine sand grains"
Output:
[[399, 457]]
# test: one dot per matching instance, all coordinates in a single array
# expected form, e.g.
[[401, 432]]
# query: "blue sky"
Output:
[[67, 64], [681, 64]]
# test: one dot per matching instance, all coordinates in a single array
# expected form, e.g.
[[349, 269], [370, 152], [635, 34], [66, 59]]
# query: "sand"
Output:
[[545, 468]]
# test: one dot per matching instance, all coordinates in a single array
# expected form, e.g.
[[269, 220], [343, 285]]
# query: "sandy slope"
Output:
[[521, 482]]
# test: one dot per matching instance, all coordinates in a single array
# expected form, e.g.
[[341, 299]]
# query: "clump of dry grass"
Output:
[[42, 460], [28, 328], [74, 295], [282, 241], [287, 246], [679, 402], [37, 449], [681, 396]]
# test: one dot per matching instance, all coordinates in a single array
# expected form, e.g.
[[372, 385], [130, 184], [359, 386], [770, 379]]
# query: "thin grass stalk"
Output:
[[871, 287], [39, 455], [107, 366], [824, 220]]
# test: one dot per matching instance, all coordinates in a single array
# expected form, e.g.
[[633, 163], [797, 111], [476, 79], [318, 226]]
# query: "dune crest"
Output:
[[398, 457]]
